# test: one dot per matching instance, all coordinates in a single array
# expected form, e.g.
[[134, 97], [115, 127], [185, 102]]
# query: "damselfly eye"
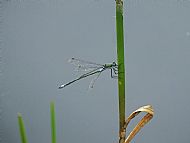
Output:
[[114, 64]]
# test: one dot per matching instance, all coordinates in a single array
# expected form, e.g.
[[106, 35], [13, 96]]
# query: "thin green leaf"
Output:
[[22, 128], [53, 122], [121, 64]]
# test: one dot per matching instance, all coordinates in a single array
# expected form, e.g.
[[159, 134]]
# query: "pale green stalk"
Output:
[[53, 122], [22, 129], [121, 64]]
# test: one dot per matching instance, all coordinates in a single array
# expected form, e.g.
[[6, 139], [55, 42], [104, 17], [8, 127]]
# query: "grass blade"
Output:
[[121, 69], [53, 122], [22, 128]]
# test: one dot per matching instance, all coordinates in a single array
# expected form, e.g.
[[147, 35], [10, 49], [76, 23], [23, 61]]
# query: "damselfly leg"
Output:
[[114, 71], [113, 74], [91, 85]]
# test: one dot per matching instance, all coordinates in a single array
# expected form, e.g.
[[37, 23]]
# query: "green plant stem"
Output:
[[53, 122], [120, 60], [22, 128]]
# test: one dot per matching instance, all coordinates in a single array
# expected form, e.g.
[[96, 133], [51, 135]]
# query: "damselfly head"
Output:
[[114, 64]]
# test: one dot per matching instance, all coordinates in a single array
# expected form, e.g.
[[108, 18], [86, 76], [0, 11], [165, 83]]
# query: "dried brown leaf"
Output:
[[150, 112]]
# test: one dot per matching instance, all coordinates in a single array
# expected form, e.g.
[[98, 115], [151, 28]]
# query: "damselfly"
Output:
[[91, 68]]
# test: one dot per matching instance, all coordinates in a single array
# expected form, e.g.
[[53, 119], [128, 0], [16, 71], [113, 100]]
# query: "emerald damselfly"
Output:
[[90, 69]]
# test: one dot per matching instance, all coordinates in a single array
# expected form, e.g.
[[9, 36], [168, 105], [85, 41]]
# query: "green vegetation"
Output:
[[123, 122], [121, 64], [22, 129], [53, 122], [53, 125]]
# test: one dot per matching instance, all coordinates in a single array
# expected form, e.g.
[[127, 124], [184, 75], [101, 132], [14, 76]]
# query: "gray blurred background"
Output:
[[39, 36]]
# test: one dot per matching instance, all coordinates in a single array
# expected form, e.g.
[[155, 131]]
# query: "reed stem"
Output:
[[53, 122], [121, 64], [22, 128]]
